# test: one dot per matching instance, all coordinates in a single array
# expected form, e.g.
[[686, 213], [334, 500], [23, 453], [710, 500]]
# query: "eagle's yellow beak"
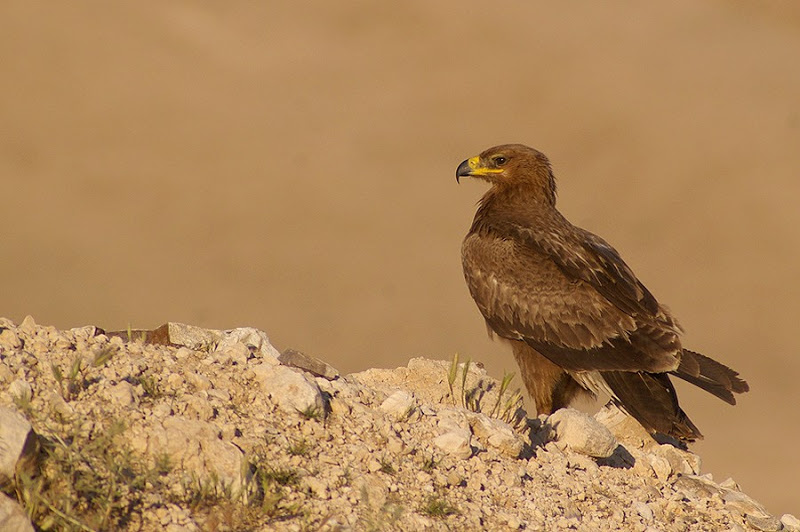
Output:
[[473, 167]]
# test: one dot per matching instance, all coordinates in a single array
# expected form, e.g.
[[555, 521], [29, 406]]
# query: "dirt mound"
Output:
[[186, 428]]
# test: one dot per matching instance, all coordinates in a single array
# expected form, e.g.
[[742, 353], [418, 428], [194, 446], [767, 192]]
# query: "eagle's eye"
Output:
[[500, 160]]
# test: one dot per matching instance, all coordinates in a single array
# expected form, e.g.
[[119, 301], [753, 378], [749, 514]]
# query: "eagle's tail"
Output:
[[651, 399], [708, 374]]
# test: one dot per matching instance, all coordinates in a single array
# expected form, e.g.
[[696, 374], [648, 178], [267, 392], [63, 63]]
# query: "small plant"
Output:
[[150, 387], [451, 377], [464, 373], [507, 407], [466, 398], [311, 412], [102, 357], [23, 403], [387, 467], [429, 463], [435, 506], [162, 463], [280, 476], [71, 384], [300, 447], [346, 479]]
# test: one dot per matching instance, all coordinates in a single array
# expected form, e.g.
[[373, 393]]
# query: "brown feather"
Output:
[[569, 303]]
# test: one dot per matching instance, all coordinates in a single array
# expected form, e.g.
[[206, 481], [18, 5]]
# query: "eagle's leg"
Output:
[[549, 386]]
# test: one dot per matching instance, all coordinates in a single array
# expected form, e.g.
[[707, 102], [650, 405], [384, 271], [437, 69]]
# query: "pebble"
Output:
[[790, 523], [455, 443], [121, 393], [20, 389], [496, 433], [399, 404], [313, 365]]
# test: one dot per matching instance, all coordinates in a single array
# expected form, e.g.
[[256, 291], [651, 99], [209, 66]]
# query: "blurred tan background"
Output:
[[290, 166]]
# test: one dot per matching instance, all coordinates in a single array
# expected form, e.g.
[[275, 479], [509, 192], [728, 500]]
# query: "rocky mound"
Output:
[[184, 428]]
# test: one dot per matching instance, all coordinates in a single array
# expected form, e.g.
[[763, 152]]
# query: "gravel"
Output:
[[244, 438]]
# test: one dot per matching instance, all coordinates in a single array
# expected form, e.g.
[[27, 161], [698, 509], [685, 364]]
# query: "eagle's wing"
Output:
[[571, 297], [585, 256]]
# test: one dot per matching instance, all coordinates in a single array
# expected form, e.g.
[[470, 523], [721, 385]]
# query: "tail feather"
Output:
[[710, 375], [651, 399]]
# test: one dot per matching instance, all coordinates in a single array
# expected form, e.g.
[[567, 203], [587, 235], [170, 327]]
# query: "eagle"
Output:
[[578, 320]]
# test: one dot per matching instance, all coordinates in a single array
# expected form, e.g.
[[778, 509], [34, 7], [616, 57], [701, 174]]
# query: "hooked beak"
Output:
[[474, 167]]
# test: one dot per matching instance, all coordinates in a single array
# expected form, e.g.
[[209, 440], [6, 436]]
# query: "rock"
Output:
[[372, 491], [12, 516], [680, 462], [9, 340], [660, 465], [315, 366], [172, 333], [582, 433], [399, 405], [17, 442], [496, 433], [121, 393], [195, 446], [59, 405], [236, 353], [20, 389], [198, 408], [452, 419], [84, 333], [6, 375], [625, 429], [256, 341], [289, 389], [373, 466], [697, 488], [790, 523], [27, 325], [767, 524], [744, 504], [455, 443], [200, 382], [643, 510], [220, 430]]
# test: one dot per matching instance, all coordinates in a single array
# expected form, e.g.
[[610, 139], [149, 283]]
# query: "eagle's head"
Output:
[[512, 165]]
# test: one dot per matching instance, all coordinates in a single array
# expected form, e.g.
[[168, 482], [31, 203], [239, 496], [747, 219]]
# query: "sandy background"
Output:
[[290, 166]]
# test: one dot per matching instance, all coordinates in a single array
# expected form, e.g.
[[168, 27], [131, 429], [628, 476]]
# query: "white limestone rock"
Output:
[[456, 443], [195, 445], [496, 433], [582, 433], [399, 404], [12, 516], [16, 440], [291, 390], [256, 341]]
